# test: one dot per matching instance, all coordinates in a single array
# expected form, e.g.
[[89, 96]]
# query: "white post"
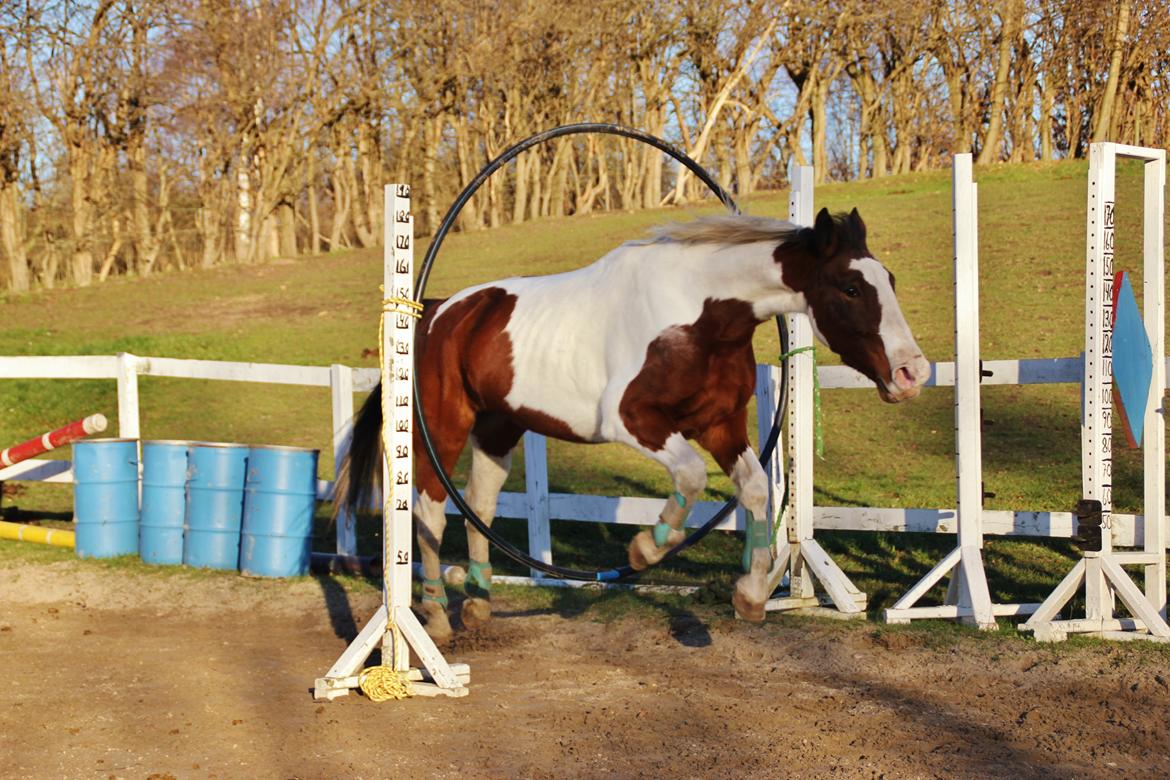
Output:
[[398, 413], [972, 589], [800, 404], [1154, 433], [128, 396], [341, 390], [1097, 422], [536, 498], [767, 398]]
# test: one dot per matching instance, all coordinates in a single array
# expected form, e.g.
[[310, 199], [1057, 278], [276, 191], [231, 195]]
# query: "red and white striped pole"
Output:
[[95, 423]]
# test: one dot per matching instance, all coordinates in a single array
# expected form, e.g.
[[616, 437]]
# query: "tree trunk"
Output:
[[1008, 28], [287, 226], [81, 263], [1103, 121], [311, 192], [12, 242]]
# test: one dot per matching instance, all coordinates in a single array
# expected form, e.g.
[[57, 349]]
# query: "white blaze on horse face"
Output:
[[908, 368]]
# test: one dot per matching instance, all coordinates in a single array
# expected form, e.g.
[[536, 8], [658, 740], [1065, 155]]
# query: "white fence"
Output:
[[537, 505]]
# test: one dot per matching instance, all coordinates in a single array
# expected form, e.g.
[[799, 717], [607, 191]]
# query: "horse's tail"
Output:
[[360, 470]]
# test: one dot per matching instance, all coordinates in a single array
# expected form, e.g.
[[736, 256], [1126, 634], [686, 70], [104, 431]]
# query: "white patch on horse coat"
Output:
[[580, 337], [901, 348]]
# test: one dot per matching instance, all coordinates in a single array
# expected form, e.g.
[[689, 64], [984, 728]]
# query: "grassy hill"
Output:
[[322, 310]]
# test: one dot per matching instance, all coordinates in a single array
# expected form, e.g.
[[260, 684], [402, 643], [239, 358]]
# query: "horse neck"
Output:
[[745, 272]]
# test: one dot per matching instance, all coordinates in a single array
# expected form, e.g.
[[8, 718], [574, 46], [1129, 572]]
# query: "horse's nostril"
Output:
[[904, 378]]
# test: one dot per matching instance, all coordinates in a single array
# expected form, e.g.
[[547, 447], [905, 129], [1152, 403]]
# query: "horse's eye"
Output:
[[851, 291]]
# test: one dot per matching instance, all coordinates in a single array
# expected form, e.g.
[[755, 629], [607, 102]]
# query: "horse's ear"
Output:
[[825, 233], [857, 223]]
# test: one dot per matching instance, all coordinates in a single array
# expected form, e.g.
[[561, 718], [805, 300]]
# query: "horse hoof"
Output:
[[644, 553], [437, 625], [475, 612], [749, 598]]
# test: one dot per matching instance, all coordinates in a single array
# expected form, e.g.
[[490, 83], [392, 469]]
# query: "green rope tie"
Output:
[[478, 584], [430, 588], [818, 414], [757, 536]]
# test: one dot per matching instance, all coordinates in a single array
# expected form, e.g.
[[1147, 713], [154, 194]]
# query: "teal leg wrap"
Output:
[[758, 537], [661, 533], [478, 584], [681, 499], [433, 590]]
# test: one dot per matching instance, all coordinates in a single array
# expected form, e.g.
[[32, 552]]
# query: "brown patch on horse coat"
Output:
[[850, 325], [695, 377], [465, 372]]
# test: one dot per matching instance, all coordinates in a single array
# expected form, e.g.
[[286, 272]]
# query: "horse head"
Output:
[[851, 303]]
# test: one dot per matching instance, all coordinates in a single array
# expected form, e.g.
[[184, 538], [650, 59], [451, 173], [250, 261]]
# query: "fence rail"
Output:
[[538, 505]]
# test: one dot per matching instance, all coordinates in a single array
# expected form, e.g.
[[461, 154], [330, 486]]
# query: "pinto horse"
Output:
[[650, 346]]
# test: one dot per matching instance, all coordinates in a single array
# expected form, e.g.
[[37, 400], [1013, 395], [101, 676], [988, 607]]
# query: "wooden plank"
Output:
[[228, 371], [834, 581], [923, 586], [59, 367], [1133, 598], [1056, 600], [424, 647], [353, 658], [365, 379], [38, 470]]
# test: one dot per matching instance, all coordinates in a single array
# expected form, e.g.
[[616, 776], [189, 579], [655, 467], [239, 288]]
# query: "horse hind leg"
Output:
[[449, 433], [492, 442]]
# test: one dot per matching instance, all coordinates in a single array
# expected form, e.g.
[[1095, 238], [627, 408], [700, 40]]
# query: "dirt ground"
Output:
[[115, 674]]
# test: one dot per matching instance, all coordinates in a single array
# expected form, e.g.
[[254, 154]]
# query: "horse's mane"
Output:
[[727, 229]]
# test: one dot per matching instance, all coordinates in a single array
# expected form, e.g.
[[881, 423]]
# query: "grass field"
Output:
[[322, 310]]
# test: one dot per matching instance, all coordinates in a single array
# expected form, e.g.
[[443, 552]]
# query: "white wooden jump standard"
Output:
[[967, 598], [797, 553], [403, 633], [1100, 571]]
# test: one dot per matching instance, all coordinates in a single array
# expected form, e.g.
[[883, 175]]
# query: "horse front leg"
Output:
[[689, 473], [729, 445]]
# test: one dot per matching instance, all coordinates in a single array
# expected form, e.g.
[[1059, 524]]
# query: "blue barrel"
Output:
[[105, 497], [215, 505], [164, 501], [280, 497]]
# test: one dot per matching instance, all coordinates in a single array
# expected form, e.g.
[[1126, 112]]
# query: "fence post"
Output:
[[767, 398], [341, 389], [536, 498], [128, 365]]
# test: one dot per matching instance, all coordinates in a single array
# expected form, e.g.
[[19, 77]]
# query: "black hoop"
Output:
[[517, 555]]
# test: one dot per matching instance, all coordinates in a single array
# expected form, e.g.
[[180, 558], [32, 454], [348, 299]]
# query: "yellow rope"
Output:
[[383, 683]]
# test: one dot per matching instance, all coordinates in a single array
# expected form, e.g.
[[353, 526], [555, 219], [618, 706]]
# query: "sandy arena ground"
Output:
[[114, 674]]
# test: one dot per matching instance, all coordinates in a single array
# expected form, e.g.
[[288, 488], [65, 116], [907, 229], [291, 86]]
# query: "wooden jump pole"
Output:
[[66, 434], [394, 627]]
